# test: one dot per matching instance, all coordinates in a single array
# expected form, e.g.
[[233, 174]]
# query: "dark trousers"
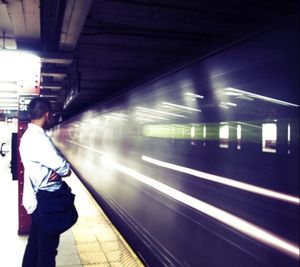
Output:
[[41, 248]]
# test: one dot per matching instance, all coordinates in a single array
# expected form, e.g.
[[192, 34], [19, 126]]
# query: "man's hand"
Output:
[[53, 176], [68, 174]]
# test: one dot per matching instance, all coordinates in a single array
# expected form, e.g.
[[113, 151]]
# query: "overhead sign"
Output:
[[24, 101]]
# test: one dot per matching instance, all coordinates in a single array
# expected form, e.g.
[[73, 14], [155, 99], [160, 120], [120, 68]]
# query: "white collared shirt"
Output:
[[40, 158]]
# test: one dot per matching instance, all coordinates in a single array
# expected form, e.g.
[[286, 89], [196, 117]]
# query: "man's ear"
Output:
[[46, 115]]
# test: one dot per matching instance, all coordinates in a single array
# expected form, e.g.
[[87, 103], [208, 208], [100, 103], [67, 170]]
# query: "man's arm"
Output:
[[55, 176], [50, 158]]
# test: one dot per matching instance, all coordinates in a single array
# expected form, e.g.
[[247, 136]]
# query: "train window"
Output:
[[238, 136], [224, 134], [269, 137], [193, 135]]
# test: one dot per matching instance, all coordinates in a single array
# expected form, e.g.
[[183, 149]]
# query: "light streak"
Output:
[[269, 99], [231, 220], [151, 116], [225, 181], [195, 95], [161, 112], [180, 106]]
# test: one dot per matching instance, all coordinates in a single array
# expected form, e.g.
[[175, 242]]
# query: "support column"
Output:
[[27, 91]]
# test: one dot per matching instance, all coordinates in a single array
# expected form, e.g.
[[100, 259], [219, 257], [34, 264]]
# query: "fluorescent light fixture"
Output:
[[17, 66], [8, 86], [8, 95], [161, 112], [8, 108], [8, 104], [9, 100], [180, 106], [261, 97]]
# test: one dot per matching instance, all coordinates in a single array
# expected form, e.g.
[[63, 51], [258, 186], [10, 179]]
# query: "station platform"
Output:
[[93, 241]]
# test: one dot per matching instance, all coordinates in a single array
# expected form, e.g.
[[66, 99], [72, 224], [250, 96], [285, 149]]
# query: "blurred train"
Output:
[[199, 167]]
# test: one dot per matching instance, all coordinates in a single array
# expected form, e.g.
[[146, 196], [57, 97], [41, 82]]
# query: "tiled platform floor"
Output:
[[93, 241]]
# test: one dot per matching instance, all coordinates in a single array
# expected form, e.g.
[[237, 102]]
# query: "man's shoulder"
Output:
[[31, 136]]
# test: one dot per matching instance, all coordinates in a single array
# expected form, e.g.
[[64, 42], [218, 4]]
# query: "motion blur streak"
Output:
[[239, 224], [269, 99], [223, 180]]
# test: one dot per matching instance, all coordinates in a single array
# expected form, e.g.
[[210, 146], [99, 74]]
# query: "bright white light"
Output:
[[231, 104], [239, 132], [145, 119], [8, 108], [223, 106], [224, 135], [8, 100], [8, 95], [232, 93], [224, 131], [179, 106], [8, 87], [227, 104], [195, 95], [17, 66], [265, 98], [9, 104], [161, 112], [95, 121], [225, 181], [115, 118], [269, 137], [251, 125], [193, 132], [233, 221], [119, 114], [151, 116]]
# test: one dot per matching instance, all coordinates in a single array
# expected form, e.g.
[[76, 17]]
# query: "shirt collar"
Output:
[[35, 128]]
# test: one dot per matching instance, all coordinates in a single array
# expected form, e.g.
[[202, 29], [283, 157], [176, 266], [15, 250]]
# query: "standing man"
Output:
[[44, 167]]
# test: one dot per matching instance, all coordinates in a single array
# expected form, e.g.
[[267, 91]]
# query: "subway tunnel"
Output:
[[181, 119]]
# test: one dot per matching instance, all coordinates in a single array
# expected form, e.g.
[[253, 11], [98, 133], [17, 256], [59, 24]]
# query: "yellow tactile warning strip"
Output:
[[98, 242]]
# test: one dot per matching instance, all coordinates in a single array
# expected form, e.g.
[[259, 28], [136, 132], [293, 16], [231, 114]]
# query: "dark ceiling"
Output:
[[124, 43]]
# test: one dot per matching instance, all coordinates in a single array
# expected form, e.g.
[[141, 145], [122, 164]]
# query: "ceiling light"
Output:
[[17, 66]]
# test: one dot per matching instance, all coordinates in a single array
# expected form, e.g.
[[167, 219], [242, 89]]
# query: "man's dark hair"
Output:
[[37, 107]]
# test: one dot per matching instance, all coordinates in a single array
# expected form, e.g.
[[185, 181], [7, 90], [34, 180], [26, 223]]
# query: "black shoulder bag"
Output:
[[56, 210]]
